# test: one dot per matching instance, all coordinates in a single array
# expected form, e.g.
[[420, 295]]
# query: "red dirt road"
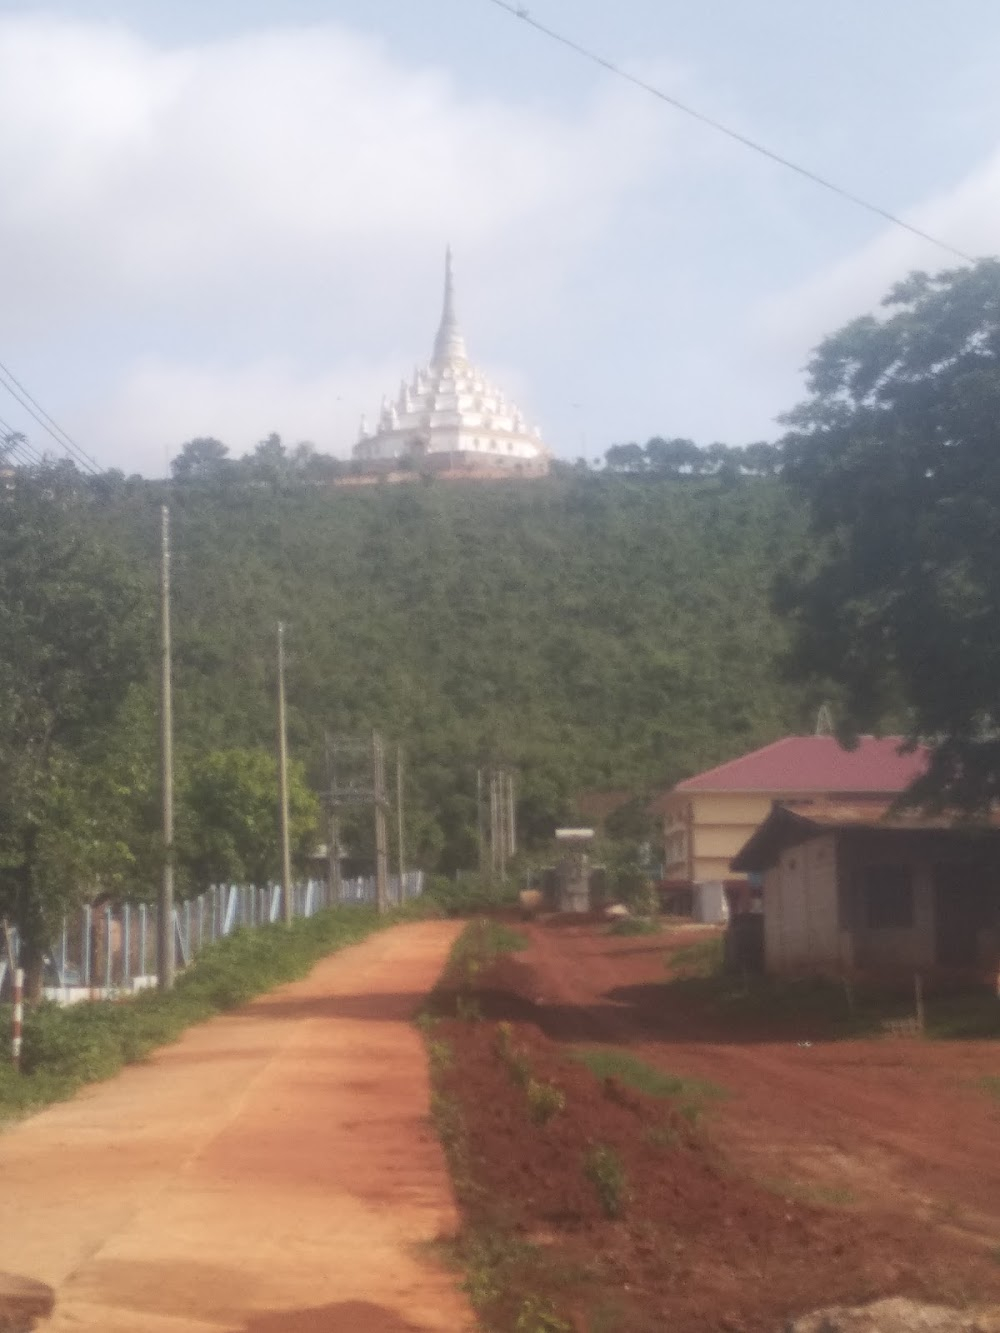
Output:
[[274, 1171], [898, 1125]]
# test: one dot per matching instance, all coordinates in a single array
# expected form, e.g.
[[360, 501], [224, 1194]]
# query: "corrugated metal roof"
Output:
[[803, 764], [792, 822]]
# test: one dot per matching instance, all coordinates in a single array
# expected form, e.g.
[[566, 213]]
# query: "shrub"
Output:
[[544, 1100], [603, 1168], [471, 895]]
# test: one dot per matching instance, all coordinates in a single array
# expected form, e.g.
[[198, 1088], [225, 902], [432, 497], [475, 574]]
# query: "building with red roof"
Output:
[[707, 818]]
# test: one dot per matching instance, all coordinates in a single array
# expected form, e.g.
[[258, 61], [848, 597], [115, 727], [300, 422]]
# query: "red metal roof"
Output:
[[820, 764]]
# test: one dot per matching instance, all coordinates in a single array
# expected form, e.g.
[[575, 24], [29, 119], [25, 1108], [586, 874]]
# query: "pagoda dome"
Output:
[[449, 414]]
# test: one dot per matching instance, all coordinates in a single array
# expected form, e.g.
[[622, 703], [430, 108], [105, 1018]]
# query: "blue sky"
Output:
[[229, 217]]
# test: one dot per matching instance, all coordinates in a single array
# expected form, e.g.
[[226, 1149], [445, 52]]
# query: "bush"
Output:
[[471, 895]]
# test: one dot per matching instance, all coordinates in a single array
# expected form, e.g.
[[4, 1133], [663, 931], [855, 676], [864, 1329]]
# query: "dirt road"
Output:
[[272, 1172], [895, 1124]]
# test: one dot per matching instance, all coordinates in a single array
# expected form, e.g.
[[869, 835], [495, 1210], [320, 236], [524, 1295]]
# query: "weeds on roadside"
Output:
[[603, 1168], [635, 925], [690, 1094], [65, 1048], [544, 1100]]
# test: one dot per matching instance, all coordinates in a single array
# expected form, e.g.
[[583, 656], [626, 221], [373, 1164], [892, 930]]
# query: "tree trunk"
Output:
[[30, 921]]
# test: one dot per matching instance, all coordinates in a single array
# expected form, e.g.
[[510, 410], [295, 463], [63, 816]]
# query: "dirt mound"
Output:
[[619, 1190]]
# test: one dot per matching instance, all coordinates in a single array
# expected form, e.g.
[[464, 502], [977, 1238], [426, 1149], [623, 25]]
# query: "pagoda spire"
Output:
[[449, 345]]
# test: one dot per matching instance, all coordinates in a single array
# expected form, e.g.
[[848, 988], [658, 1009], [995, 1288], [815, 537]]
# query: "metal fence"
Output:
[[107, 951]]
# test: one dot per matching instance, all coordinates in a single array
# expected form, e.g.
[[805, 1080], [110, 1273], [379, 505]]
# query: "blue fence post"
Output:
[[64, 950]]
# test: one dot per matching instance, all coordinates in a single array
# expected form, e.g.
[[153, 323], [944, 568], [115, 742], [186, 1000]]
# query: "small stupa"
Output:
[[450, 417]]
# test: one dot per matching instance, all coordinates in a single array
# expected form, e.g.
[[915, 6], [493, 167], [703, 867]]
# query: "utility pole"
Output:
[[381, 849], [165, 919], [480, 829], [286, 848], [333, 829], [401, 831], [511, 815]]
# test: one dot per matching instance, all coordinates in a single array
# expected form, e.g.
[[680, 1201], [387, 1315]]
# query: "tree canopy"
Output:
[[74, 629], [897, 452]]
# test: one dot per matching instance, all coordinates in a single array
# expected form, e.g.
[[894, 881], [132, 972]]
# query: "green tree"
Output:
[[201, 459], [75, 634], [898, 453], [230, 829]]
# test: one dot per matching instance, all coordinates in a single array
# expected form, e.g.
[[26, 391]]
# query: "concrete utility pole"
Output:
[[401, 831], [165, 920], [286, 846], [511, 815], [381, 848], [480, 822], [333, 829]]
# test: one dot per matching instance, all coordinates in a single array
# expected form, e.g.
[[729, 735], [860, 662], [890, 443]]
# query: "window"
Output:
[[888, 897]]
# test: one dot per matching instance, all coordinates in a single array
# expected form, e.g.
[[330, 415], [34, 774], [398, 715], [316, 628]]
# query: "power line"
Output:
[[20, 448], [518, 11], [65, 441]]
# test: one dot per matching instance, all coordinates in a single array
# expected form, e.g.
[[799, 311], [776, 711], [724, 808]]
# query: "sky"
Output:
[[228, 217]]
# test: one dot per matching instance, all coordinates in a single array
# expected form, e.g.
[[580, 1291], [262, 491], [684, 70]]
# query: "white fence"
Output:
[[106, 951]]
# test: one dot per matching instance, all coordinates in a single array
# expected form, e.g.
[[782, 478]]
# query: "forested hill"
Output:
[[592, 629]]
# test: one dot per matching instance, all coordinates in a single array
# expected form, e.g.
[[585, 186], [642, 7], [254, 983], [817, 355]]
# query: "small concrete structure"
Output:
[[572, 874], [854, 886]]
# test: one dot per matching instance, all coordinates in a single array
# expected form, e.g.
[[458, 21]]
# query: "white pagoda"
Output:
[[450, 417]]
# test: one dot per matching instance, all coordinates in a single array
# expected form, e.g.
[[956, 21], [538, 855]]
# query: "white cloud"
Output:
[[159, 405], [235, 178], [967, 217]]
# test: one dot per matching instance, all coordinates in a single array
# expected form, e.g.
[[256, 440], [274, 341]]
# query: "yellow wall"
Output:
[[703, 831]]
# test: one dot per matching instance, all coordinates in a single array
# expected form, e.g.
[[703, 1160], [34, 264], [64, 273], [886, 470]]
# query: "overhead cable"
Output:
[[65, 441], [518, 11], [13, 442]]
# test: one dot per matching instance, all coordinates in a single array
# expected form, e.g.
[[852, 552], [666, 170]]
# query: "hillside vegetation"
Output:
[[594, 630]]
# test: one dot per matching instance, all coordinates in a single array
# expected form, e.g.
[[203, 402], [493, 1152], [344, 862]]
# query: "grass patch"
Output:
[[603, 1168], [65, 1048], [629, 1069], [701, 958], [990, 1084], [635, 925], [480, 943]]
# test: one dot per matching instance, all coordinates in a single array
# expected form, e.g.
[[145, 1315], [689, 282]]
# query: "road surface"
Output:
[[274, 1171]]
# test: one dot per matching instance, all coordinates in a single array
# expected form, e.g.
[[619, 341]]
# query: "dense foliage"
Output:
[[74, 627], [593, 630], [896, 453]]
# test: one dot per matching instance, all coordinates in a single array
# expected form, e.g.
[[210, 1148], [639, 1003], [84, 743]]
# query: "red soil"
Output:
[[702, 1242]]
